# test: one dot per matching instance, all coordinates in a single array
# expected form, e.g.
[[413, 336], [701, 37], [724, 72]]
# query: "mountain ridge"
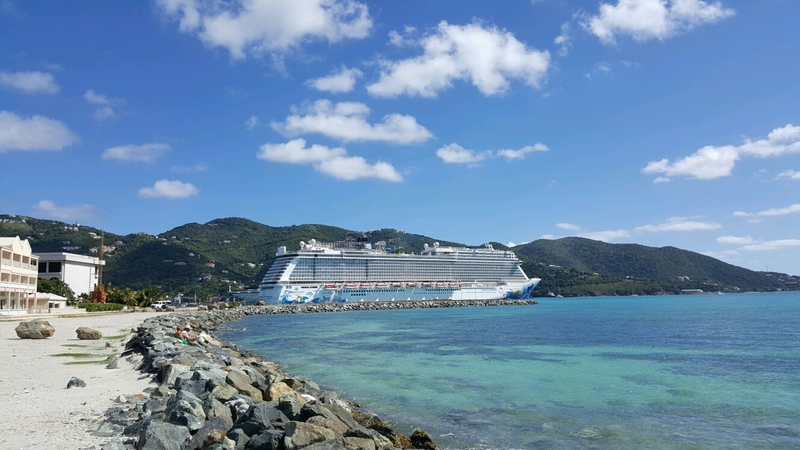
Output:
[[234, 253]]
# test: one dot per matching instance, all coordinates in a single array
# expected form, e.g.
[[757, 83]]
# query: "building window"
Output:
[[43, 267], [54, 267]]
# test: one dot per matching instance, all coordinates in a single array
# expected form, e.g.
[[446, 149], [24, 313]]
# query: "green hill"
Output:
[[234, 253], [672, 268]]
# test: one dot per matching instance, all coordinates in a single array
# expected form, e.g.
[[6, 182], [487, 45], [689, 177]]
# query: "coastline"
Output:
[[42, 413], [38, 411]]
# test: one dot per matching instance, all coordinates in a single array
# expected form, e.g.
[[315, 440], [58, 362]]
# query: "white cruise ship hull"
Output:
[[320, 293]]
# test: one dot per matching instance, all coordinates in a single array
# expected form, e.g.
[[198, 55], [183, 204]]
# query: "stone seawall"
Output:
[[212, 396]]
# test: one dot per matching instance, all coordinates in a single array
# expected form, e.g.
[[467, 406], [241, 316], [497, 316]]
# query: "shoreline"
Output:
[[42, 413]]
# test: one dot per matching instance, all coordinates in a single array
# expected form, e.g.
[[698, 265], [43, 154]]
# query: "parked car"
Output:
[[161, 304]]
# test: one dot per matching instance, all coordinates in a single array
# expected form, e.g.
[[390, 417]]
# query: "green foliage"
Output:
[[57, 287], [94, 307], [242, 250]]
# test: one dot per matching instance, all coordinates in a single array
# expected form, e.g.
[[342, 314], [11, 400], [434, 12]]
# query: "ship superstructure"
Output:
[[357, 271]]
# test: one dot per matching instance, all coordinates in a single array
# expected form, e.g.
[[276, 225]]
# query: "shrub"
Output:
[[94, 307]]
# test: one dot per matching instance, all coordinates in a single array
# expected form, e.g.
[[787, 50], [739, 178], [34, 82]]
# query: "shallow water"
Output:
[[673, 372]]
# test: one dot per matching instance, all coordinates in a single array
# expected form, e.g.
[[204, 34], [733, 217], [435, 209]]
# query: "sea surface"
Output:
[[666, 372]]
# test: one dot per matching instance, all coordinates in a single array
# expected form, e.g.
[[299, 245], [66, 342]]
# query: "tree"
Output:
[[56, 286], [148, 296]]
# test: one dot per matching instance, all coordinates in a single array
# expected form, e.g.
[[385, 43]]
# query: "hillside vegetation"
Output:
[[234, 253]]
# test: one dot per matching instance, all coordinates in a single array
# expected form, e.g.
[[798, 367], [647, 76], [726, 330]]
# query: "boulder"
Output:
[[242, 382], [275, 390], [35, 329], [421, 440], [88, 334], [261, 303], [212, 432], [202, 308], [301, 434], [259, 418], [268, 440], [355, 443], [158, 435], [75, 382], [187, 410]]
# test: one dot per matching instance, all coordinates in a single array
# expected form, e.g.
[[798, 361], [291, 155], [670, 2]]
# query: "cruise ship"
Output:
[[352, 271]]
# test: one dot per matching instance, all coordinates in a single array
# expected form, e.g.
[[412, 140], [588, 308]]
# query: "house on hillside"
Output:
[[78, 271]]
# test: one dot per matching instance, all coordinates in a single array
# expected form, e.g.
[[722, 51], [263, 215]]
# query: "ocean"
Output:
[[666, 372]]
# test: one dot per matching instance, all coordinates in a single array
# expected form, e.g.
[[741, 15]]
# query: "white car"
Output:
[[162, 304]]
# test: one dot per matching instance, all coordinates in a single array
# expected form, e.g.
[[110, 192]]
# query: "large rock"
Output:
[[421, 440], [275, 390], [259, 418], [88, 334], [211, 433], [187, 410], [242, 382], [158, 435], [75, 382], [35, 329], [301, 434], [268, 440]]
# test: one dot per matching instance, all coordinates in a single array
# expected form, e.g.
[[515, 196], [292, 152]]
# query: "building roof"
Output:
[[16, 245], [70, 257]]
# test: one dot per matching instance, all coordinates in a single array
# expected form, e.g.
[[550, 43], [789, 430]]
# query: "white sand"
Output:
[[36, 409]]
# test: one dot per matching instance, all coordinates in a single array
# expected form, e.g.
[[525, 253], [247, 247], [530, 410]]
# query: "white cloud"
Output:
[[456, 154], [661, 180], [679, 224], [69, 213], [773, 245], [547, 236], [136, 153], [97, 99], [330, 161], [602, 67], [563, 39], [251, 123], [106, 112], [738, 240], [520, 154], [347, 121], [170, 189], [781, 211], [35, 133], [791, 209], [487, 57], [790, 174], [189, 169], [342, 81], [104, 104], [512, 244], [29, 82], [652, 19], [568, 226], [259, 27], [407, 38], [714, 162], [606, 236]]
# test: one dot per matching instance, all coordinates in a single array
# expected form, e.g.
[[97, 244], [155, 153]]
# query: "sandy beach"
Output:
[[37, 410]]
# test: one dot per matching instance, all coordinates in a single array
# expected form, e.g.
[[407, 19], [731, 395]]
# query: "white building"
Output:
[[78, 271], [18, 276]]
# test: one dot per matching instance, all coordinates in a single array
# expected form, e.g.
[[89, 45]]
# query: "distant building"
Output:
[[18, 269], [78, 271]]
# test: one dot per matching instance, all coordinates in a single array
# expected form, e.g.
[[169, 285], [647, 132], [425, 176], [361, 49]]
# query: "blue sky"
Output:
[[659, 122]]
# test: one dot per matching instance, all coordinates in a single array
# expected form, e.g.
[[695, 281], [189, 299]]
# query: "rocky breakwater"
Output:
[[211, 396]]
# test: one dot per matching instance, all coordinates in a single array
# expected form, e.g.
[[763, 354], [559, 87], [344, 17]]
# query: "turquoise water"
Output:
[[673, 372]]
